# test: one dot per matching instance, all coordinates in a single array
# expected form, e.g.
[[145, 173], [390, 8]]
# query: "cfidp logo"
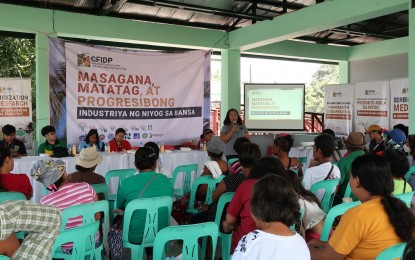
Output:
[[337, 94], [370, 92], [404, 90], [84, 60]]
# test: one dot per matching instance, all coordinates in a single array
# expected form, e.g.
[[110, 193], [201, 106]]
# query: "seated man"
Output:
[[15, 146], [322, 151], [52, 141], [376, 144], [42, 223]]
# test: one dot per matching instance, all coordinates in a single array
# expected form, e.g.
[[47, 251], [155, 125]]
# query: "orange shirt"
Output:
[[364, 232]]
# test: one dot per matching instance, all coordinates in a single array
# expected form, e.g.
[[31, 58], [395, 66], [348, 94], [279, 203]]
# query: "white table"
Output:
[[111, 162]]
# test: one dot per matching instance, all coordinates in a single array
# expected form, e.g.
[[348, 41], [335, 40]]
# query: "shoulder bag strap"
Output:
[[328, 174], [148, 184]]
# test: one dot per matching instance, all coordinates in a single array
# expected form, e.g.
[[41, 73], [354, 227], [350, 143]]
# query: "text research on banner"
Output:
[[15, 102], [154, 96], [338, 108]]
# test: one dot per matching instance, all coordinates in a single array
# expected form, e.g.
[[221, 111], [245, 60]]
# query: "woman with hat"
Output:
[[376, 144], [52, 174], [86, 164]]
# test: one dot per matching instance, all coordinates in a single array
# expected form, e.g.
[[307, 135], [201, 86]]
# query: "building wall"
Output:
[[384, 68]]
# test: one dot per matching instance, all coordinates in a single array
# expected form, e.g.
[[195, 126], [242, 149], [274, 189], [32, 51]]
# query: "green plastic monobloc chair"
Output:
[[333, 213], [225, 239], [303, 162], [232, 160], [121, 174], [406, 197], [101, 188], [189, 234], [11, 195], [211, 182], [3, 257], [329, 187], [187, 178], [88, 211], [82, 238], [152, 226], [392, 252], [409, 172]]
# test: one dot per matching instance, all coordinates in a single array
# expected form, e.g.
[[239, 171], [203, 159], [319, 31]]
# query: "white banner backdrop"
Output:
[[338, 108], [371, 104], [15, 102], [399, 102], [154, 96]]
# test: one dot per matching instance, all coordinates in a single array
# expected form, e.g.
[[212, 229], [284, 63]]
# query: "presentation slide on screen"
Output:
[[274, 106]]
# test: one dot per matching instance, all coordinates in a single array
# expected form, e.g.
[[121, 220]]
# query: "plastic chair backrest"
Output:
[[151, 227], [348, 191], [333, 213], [190, 235], [101, 188], [303, 162], [392, 252], [232, 160], [225, 238], [406, 197], [329, 187], [187, 176], [11, 195], [122, 174], [211, 182], [82, 237], [409, 173], [3, 257]]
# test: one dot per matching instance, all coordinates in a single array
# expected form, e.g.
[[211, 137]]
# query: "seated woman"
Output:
[[159, 168], [236, 166], [274, 208], [91, 140], [381, 221], [146, 184], [52, 174], [13, 182], [399, 166], [215, 167], [281, 147], [86, 164], [238, 217], [118, 144], [205, 137], [314, 216]]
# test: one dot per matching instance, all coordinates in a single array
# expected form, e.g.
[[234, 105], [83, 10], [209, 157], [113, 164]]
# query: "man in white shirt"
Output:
[[322, 150]]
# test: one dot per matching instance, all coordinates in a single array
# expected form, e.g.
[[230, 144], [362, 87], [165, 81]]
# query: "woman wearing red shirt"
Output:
[[10, 181], [118, 144]]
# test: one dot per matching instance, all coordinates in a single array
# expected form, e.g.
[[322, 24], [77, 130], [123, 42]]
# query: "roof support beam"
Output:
[[379, 49], [310, 20], [106, 28]]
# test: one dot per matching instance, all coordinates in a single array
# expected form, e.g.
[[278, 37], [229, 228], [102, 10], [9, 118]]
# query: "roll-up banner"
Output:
[[399, 102], [15, 102], [338, 108], [371, 104]]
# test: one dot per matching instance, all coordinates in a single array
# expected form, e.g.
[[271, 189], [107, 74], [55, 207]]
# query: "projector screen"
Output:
[[274, 107]]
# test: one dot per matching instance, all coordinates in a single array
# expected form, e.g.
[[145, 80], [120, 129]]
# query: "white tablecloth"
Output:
[[111, 161]]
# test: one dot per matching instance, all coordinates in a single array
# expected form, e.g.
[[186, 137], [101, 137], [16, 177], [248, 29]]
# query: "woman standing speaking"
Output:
[[232, 129]]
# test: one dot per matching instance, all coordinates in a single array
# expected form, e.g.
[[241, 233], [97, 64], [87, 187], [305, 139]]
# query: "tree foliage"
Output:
[[18, 60], [314, 97]]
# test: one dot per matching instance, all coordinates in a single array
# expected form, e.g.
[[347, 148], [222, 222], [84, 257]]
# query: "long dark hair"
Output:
[[284, 142], [375, 177], [91, 133], [295, 181], [4, 153], [227, 120]]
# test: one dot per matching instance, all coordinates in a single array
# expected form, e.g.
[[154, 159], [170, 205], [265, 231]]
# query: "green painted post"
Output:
[[343, 72], [42, 84], [411, 68], [231, 81]]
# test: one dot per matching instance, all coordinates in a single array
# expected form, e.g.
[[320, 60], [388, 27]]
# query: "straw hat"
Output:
[[88, 158]]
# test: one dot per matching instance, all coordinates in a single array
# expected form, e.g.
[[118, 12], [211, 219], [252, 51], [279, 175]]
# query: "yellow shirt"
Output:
[[364, 232]]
